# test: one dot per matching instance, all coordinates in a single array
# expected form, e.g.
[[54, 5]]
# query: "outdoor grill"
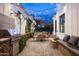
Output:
[[9, 44]]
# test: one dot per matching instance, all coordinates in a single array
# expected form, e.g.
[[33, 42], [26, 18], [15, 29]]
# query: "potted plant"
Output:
[[55, 38], [55, 45]]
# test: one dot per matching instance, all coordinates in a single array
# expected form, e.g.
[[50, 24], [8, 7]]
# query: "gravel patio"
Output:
[[37, 48]]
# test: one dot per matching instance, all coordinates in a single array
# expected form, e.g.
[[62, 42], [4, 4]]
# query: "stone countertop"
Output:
[[4, 39]]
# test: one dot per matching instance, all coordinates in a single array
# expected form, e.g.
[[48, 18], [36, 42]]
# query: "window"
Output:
[[62, 23]]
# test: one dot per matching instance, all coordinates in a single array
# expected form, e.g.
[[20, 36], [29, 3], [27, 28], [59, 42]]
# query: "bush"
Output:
[[22, 42], [28, 35], [55, 38]]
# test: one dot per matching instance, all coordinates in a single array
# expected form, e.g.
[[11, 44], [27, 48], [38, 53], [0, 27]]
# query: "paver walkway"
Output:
[[37, 48]]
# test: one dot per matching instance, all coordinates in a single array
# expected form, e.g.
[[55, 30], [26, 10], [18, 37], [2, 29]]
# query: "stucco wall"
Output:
[[54, 27], [71, 20], [1, 8], [6, 20], [23, 25], [61, 10]]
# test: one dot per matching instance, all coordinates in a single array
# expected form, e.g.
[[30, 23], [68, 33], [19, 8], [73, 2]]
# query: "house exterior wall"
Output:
[[9, 20], [22, 17], [72, 19], [1, 8], [71, 12], [23, 25], [54, 18], [6, 20], [6, 9], [33, 23], [60, 10]]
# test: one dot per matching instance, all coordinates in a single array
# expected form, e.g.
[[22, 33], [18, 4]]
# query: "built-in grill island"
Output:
[[9, 44]]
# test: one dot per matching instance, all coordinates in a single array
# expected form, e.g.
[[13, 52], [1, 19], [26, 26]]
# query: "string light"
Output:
[[43, 13], [46, 12]]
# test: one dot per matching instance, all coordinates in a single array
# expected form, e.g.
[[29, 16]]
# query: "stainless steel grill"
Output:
[[13, 43]]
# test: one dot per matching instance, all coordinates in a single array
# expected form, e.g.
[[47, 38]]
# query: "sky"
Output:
[[44, 11]]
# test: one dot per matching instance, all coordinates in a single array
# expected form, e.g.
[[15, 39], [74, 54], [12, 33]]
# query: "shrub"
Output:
[[22, 42], [55, 38]]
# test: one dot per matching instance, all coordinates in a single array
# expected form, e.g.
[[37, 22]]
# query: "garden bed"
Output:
[[23, 40]]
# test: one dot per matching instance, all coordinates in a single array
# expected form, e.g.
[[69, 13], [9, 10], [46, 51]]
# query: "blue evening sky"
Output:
[[44, 11]]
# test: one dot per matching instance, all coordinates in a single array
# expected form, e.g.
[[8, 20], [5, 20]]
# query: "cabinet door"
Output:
[[5, 48]]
